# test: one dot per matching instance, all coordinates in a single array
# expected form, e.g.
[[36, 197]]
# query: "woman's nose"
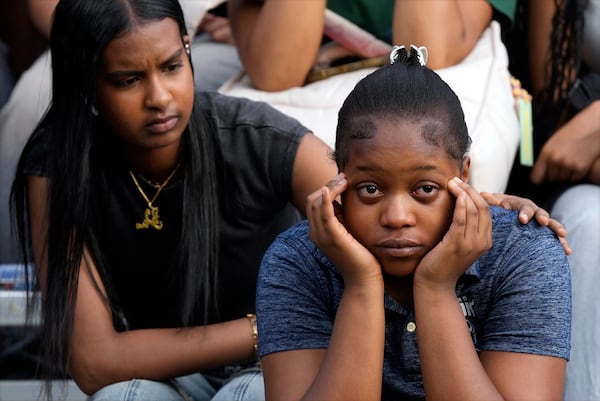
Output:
[[158, 95]]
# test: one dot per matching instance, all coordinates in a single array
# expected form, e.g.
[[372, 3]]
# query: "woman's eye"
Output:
[[174, 67], [126, 82]]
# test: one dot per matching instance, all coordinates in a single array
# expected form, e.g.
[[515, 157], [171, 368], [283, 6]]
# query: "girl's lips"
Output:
[[402, 252], [162, 125], [398, 248]]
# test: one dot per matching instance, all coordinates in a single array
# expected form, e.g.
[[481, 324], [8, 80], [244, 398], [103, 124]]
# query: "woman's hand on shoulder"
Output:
[[355, 262], [527, 211]]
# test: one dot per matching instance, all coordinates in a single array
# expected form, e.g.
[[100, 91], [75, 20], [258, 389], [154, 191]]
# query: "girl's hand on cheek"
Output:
[[469, 236], [355, 262]]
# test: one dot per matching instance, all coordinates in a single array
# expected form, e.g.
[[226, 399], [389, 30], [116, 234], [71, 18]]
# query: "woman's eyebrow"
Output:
[[127, 72], [175, 55]]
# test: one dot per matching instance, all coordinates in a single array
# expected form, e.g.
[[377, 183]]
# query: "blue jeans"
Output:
[[578, 209], [235, 385]]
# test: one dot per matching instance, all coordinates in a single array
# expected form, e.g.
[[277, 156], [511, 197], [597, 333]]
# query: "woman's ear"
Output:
[[186, 44], [464, 168]]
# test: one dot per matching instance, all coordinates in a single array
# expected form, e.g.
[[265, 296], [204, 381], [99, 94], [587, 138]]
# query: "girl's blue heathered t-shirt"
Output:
[[516, 298]]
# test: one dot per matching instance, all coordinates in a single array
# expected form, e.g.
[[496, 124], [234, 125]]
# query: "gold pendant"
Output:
[[151, 219]]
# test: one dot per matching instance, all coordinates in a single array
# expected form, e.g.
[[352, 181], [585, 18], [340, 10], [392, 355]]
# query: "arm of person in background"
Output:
[[538, 36], [217, 27], [572, 153], [41, 12], [277, 40], [449, 29]]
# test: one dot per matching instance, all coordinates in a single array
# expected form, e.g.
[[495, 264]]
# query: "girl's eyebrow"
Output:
[[425, 167]]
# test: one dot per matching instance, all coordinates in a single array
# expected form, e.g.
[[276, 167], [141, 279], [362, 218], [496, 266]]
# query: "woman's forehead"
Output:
[[154, 38]]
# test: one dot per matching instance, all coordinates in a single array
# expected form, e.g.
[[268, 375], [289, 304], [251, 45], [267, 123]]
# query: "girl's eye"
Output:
[[369, 191], [426, 191]]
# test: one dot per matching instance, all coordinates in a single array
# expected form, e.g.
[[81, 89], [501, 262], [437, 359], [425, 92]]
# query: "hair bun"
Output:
[[418, 54]]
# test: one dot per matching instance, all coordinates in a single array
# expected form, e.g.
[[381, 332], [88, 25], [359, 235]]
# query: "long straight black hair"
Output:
[[81, 31]]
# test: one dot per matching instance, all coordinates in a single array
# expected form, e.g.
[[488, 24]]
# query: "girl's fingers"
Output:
[[484, 218], [337, 185], [455, 237], [330, 192], [472, 214], [477, 199], [320, 211]]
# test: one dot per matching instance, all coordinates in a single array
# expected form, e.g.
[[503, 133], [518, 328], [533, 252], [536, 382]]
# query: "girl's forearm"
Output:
[[449, 362], [353, 364]]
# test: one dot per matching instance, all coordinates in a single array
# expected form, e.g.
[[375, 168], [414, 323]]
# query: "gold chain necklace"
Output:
[[151, 217], [154, 185]]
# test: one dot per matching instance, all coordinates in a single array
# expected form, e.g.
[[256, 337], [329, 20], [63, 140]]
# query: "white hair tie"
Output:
[[421, 53]]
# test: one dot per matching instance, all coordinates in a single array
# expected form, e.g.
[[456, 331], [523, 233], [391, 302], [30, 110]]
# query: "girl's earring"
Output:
[[94, 111], [187, 48]]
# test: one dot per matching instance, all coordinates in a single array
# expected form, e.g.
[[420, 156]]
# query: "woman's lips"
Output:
[[162, 125]]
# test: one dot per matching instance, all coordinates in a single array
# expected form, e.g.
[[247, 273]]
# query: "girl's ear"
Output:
[[464, 168]]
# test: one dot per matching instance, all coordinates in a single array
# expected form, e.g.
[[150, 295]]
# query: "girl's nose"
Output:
[[397, 212]]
